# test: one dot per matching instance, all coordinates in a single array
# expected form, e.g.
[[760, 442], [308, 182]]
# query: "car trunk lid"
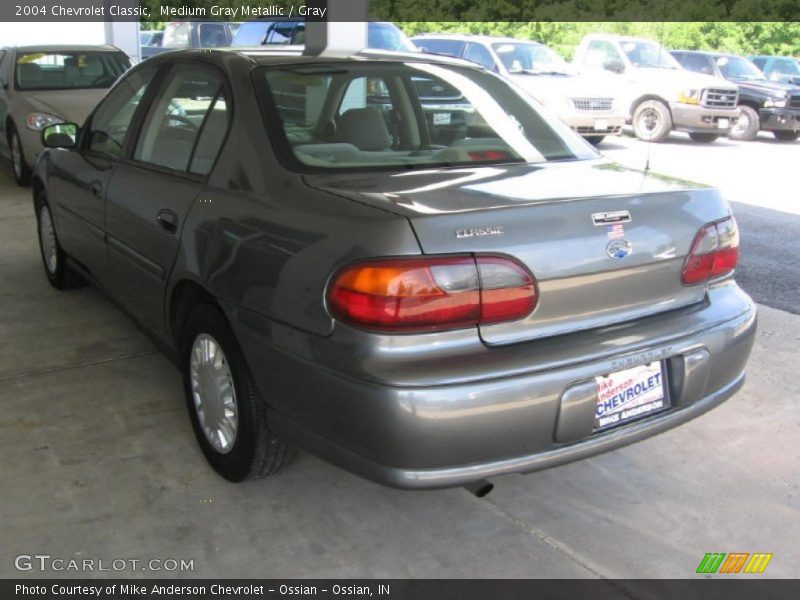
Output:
[[606, 244]]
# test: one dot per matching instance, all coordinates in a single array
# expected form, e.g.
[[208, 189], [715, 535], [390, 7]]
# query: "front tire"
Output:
[[786, 136], [227, 412], [21, 169], [54, 259], [652, 121], [747, 125], [703, 138]]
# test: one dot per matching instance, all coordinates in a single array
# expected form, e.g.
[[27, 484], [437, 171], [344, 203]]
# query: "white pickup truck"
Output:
[[660, 94]]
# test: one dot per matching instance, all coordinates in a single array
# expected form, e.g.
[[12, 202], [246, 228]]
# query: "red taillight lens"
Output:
[[431, 294], [714, 252]]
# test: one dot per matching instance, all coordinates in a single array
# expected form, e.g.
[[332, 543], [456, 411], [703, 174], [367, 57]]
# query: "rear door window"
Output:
[[189, 111], [699, 63]]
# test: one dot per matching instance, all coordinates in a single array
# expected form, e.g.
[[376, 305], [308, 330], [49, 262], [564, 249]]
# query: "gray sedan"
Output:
[[421, 302]]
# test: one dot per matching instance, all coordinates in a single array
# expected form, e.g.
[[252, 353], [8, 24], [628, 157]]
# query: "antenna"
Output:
[[660, 50]]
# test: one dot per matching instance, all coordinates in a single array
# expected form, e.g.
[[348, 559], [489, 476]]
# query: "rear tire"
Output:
[[21, 169], [747, 125], [652, 121], [786, 136], [595, 140], [227, 412], [703, 138], [54, 259]]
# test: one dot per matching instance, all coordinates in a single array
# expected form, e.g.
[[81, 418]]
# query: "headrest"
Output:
[[29, 73], [364, 128]]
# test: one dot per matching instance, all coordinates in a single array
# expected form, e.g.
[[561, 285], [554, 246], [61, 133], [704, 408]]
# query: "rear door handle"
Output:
[[96, 188], [168, 220]]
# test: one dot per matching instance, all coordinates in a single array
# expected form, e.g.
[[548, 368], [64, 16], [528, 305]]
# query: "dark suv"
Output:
[[767, 105]]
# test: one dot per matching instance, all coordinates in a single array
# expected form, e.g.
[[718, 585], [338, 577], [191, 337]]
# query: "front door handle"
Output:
[[168, 220]]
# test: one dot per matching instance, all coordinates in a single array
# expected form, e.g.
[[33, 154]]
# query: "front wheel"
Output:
[[58, 272], [22, 171], [227, 411], [652, 121], [746, 126], [703, 138], [786, 136]]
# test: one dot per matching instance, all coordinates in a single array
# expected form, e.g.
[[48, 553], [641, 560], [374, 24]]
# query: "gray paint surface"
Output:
[[94, 414]]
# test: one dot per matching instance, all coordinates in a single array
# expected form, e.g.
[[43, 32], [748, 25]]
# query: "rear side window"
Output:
[[699, 63], [111, 120], [478, 53], [253, 33], [760, 62], [186, 123], [212, 35], [599, 52]]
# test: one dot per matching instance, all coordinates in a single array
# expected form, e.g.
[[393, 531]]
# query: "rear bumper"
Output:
[[520, 411], [779, 119], [699, 119]]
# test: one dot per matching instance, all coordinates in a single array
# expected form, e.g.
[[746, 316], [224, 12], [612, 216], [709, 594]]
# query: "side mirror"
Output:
[[60, 135], [615, 66]]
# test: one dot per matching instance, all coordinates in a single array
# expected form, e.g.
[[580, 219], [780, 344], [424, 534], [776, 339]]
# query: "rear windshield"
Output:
[[68, 70], [355, 116]]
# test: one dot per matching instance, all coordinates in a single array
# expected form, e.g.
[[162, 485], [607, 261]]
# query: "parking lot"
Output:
[[100, 460]]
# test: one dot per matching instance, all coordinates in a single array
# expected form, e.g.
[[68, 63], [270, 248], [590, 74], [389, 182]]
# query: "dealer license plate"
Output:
[[630, 394], [601, 124], [441, 118], [723, 123]]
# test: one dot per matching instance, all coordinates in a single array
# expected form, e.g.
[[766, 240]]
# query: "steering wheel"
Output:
[[183, 121]]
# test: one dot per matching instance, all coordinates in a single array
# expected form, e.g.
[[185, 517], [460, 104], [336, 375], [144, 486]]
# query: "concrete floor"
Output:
[[99, 461]]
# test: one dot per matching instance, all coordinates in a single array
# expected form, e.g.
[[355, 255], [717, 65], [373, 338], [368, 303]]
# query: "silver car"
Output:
[[424, 314], [45, 85]]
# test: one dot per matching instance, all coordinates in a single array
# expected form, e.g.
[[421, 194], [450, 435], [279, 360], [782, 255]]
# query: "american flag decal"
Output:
[[615, 231]]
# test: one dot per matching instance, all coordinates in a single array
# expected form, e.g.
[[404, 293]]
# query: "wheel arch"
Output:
[[185, 294], [635, 104]]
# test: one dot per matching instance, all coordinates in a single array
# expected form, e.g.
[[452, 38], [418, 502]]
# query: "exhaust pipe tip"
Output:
[[480, 488]]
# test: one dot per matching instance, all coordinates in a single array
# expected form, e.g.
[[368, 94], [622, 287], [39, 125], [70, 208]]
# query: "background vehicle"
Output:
[[43, 85], [269, 32], [588, 104], [662, 95], [191, 34], [151, 37], [768, 105], [778, 68], [404, 309]]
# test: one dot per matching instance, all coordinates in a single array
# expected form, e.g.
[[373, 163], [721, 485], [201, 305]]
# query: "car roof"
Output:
[[66, 48], [293, 55], [468, 37]]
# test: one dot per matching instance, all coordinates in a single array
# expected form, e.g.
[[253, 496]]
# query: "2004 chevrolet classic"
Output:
[[422, 298]]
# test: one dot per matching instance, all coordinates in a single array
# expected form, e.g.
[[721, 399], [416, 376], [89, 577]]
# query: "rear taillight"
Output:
[[431, 294], [714, 252]]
